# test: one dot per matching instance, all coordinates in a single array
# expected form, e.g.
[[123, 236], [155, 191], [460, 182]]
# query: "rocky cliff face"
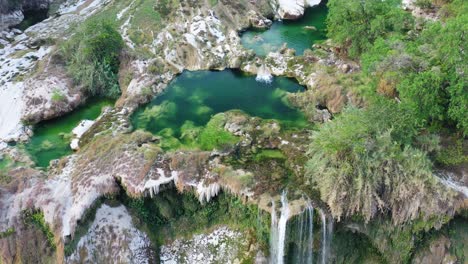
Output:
[[12, 11], [194, 36]]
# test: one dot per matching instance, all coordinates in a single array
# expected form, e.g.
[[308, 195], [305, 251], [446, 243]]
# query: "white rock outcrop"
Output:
[[78, 131], [293, 9], [113, 238]]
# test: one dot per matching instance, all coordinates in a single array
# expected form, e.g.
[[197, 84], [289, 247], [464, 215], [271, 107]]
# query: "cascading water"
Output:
[[282, 227], [305, 236], [327, 231], [264, 75], [273, 234], [278, 231], [447, 180]]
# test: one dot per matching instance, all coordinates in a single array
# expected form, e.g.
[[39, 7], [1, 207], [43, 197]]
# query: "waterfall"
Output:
[[264, 75], [278, 231], [327, 231], [305, 236], [282, 227], [447, 180], [273, 234]]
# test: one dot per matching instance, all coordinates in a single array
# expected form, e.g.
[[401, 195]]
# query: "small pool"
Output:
[[297, 34], [194, 97], [51, 139]]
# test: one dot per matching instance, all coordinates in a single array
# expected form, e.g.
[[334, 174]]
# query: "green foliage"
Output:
[[428, 71], [352, 247], [164, 7], [452, 155], [363, 162], [424, 4], [421, 92], [171, 214], [92, 56], [10, 231], [57, 96], [36, 218], [356, 24]]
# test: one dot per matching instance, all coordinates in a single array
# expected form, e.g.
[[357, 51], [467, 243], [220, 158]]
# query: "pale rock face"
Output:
[[19, 57], [78, 131], [293, 9], [223, 245], [10, 19], [113, 238]]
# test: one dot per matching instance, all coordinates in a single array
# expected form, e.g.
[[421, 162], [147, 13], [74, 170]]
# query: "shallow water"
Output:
[[194, 97], [51, 138], [293, 33]]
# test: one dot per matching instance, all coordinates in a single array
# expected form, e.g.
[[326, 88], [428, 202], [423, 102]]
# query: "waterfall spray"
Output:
[[327, 231], [305, 236], [282, 227], [273, 234], [309, 256], [264, 75], [278, 231]]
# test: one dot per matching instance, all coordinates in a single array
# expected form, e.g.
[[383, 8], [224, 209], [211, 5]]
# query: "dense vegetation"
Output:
[[92, 57], [355, 25], [170, 215], [36, 218], [376, 159]]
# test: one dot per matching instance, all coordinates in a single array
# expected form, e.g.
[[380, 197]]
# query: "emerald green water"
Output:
[[291, 32], [194, 97], [51, 139]]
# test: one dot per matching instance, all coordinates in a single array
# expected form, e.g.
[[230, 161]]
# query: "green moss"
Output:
[[268, 154], [10, 231], [6, 163], [213, 134], [57, 96], [36, 218], [355, 248]]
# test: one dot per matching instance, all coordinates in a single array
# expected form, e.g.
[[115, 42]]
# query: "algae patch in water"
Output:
[[51, 139], [299, 34], [192, 105]]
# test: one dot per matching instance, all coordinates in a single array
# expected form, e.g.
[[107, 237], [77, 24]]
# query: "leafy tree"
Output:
[[356, 24], [448, 50], [92, 56], [423, 94]]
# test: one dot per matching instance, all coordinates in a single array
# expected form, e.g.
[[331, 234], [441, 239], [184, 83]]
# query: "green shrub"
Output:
[[428, 70], [363, 162], [356, 24], [92, 57], [424, 4]]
